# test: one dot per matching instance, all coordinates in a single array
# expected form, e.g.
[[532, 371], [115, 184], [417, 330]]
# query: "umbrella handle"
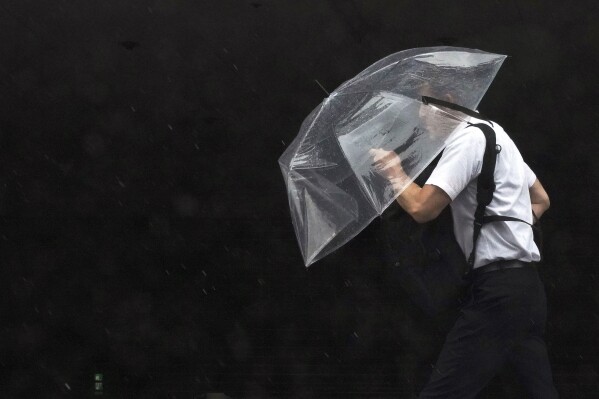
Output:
[[431, 100]]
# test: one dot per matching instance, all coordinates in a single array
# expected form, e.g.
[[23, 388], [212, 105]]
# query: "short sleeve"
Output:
[[529, 175], [460, 163]]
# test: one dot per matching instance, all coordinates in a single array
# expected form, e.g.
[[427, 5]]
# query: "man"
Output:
[[504, 317]]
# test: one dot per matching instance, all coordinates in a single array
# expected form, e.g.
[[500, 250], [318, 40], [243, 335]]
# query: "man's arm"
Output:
[[539, 199], [423, 203]]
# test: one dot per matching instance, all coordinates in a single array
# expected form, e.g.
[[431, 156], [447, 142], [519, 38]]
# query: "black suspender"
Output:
[[485, 187]]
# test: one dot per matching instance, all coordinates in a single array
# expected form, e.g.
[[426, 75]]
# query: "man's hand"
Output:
[[388, 164], [423, 204]]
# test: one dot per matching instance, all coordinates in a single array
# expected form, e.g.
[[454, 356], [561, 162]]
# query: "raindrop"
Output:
[[66, 384]]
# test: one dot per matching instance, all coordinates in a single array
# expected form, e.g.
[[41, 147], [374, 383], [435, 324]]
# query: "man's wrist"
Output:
[[399, 183]]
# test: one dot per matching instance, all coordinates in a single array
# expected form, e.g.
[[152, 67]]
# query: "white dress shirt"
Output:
[[456, 174]]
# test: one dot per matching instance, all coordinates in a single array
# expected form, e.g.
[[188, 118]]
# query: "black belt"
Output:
[[502, 265]]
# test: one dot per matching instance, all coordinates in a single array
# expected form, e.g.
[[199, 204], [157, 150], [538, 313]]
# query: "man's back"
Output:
[[457, 174]]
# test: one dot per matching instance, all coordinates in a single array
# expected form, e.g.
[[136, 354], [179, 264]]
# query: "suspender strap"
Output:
[[536, 227], [497, 218], [485, 184]]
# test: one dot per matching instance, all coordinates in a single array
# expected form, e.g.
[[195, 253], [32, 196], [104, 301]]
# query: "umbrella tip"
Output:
[[321, 86]]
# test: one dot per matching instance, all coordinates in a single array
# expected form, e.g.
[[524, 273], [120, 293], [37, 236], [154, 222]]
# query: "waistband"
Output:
[[502, 265]]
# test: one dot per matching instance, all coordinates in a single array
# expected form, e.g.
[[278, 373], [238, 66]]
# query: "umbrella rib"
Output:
[[378, 70], [307, 130]]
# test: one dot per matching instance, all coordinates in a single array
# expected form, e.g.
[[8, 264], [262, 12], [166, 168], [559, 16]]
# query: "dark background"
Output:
[[145, 233]]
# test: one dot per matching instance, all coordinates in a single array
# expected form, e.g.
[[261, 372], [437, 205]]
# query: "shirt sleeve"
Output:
[[460, 163], [529, 175]]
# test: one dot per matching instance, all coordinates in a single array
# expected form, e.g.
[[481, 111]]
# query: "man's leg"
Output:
[[471, 356], [529, 357], [504, 310], [531, 363]]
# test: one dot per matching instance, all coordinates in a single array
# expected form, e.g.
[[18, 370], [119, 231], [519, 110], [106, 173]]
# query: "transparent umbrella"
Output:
[[333, 188]]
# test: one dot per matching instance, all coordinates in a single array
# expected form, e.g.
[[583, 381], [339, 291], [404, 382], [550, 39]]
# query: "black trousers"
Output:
[[502, 321]]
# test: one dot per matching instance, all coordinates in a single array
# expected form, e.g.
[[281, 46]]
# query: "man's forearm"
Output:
[[539, 199], [539, 209], [408, 199]]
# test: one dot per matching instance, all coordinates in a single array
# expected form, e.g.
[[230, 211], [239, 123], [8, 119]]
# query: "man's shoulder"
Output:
[[468, 135], [472, 134]]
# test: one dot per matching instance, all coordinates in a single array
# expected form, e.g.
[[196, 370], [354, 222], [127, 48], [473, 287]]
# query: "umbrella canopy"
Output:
[[333, 188]]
